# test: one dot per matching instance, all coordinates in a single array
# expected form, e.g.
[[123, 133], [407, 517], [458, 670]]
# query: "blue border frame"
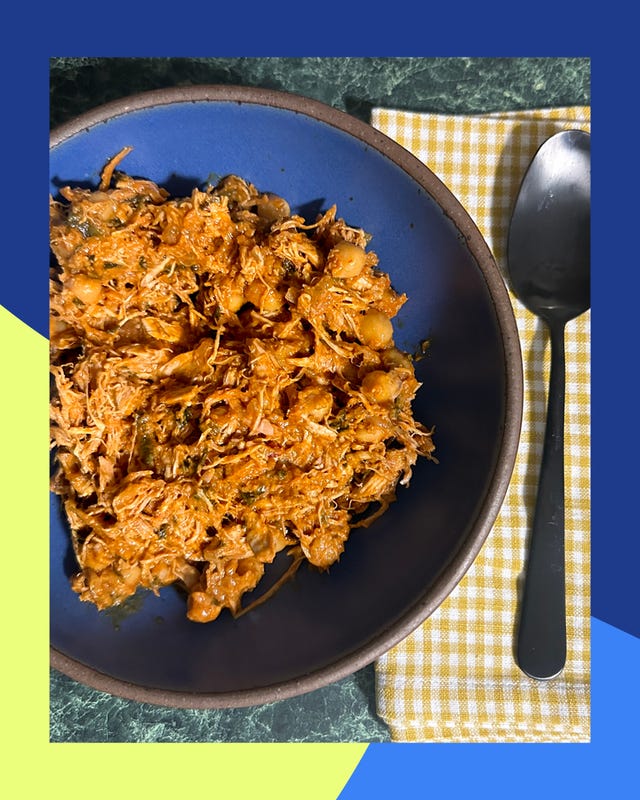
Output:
[[478, 770]]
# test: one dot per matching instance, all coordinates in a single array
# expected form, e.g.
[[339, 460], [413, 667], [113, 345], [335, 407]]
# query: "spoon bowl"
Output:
[[549, 235], [548, 255]]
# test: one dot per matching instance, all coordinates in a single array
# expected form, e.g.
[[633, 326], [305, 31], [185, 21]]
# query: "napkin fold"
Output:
[[455, 679]]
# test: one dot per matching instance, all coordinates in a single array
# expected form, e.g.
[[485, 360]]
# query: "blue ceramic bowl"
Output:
[[319, 627]]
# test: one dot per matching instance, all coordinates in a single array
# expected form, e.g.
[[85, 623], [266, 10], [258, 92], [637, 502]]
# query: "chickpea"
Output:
[[231, 295], [381, 387], [371, 431], [234, 300], [376, 329], [272, 300], [86, 289], [314, 403], [201, 608], [324, 549], [254, 291], [346, 260], [271, 208], [264, 298]]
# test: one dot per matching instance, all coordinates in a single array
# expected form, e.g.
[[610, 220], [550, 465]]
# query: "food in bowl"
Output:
[[226, 387]]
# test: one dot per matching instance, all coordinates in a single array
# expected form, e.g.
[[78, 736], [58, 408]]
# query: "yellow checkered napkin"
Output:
[[455, 679]]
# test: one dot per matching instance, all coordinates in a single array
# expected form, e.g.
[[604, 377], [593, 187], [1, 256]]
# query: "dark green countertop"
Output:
[[344, 711]]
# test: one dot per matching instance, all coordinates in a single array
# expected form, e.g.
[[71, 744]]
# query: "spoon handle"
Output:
[[542, 646]]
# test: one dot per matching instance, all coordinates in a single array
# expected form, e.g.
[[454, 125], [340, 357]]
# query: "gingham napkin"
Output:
[[455, 679]]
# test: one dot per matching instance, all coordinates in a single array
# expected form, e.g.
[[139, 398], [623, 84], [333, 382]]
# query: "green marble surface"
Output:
[[344, 711]]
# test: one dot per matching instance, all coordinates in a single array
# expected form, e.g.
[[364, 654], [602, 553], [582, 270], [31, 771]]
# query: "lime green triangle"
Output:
[[24, 479], [212, 770]]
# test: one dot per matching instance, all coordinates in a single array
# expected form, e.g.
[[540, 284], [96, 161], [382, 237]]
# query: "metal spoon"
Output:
[[548, 255]]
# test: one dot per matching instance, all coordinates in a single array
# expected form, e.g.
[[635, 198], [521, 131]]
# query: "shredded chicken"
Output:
[[226, 387]]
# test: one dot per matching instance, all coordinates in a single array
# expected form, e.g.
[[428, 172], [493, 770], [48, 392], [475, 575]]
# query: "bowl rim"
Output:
[[497, 487]]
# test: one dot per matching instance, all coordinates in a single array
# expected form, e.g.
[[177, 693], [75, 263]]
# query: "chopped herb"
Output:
[[146, 450], [191, 463], [146, 442], [213, 179], [131, 605], [339, 422], [288, 265], [250, 497], [85, 226], [421, 350], [139, 200], [184, 419]]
